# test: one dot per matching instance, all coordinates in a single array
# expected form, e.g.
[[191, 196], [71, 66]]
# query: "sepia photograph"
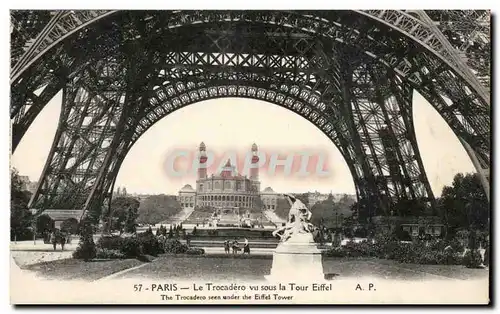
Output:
[[250, 157]]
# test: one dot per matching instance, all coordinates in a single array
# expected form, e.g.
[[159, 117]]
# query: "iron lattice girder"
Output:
[[468, 31], [416, 26], [308, 64], [179, 94], [60, 25], [384, 121], [25, 26], [401, 65], [423, 30], [87, 125], [297, 99], [471, 121], [56, 69]]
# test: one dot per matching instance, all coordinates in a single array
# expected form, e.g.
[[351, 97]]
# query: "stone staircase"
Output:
[[179, 217]]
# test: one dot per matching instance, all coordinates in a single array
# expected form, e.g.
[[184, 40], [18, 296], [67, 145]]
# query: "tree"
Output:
[[20, 216], [322, 212], [363, 211], [258, 203], [304, 198], [411, 207], [124, 213], [70, 225], [282, 208], [86, 249], [331, 212], [464, 203], [132, 214], [157, 208], [44, 223]]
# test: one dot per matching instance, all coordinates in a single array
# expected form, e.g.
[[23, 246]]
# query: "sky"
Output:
[[233, 125]]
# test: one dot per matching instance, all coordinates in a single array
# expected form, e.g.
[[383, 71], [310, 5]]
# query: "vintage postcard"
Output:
[[250, 157]]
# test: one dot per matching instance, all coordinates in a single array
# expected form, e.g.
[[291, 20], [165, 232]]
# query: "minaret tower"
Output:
[[254, 170], [202, 168]]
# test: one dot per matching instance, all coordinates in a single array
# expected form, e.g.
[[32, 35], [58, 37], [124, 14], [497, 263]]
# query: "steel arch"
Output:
[[298, 48]]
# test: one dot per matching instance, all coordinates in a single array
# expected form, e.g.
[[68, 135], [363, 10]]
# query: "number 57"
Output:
[[138, 287]]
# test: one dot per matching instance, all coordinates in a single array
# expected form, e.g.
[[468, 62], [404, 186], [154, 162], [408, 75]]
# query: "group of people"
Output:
[[56, 237], [235, 247]]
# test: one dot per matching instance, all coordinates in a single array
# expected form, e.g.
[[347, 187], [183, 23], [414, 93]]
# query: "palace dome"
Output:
[[187, 188]]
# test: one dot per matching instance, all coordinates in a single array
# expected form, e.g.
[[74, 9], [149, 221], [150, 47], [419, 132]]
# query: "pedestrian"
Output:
[[226, 247], [53, 239], [246, 247], [236, 247], [62, 239]]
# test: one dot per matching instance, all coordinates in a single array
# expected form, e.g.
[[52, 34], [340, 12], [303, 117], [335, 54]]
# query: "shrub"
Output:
[[452, 258], [417, 252], [335, 252], [457, 246], [195, 251], [472, 259], [406, 252], [438, 245], [431, 258], [404, 235], [22, 235], [213, 232], [86, 250], [149, 243], [143, 243], [110, 242], [174, 246], [386, 249], [363, 248], [131, 247], [109, 254]]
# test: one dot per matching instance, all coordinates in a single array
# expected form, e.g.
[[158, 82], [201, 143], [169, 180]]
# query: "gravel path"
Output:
[[24, 258]]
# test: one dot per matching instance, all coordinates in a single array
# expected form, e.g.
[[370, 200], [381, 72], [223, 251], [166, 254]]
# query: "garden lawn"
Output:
[[74, 269], [206, 267], [254, 268], [225, 268]]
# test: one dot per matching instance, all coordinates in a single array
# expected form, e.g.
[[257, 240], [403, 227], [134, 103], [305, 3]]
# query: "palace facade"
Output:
[[227, 189]]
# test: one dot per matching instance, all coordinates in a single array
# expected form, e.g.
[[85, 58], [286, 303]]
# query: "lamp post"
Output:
[[33, 224]]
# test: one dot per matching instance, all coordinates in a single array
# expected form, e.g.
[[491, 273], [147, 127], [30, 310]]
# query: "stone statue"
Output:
[[298, 220], [297, 257]]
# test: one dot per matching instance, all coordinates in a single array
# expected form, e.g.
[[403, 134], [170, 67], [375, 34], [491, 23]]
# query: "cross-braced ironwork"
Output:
[[350, 73]]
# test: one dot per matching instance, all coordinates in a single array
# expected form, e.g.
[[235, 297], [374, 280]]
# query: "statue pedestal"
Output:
[[297, 260]]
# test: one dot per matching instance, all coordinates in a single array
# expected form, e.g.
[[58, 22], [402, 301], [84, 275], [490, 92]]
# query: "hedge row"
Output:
[[433, 252], [143, 244]]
